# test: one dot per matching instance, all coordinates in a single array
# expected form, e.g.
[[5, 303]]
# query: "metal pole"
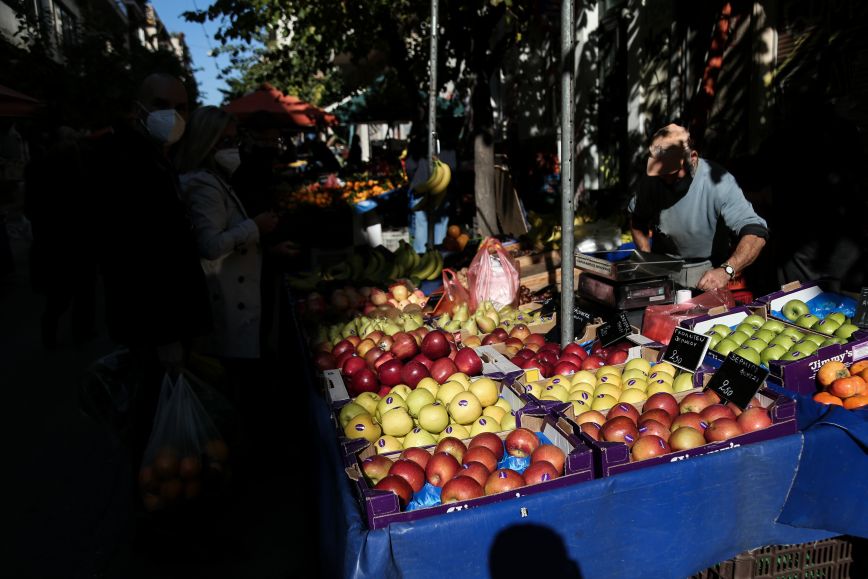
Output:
[[432, 108], [567, 189]]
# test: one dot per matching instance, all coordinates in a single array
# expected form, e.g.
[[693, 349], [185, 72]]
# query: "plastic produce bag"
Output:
[[454, 293], [186, 456], [660, 321], [493, 276]]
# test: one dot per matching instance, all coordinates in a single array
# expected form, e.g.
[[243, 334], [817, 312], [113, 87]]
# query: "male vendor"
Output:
[[681, 200]]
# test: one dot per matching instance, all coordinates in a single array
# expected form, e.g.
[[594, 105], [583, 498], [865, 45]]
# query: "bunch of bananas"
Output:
[[430, 267], [433, 191]]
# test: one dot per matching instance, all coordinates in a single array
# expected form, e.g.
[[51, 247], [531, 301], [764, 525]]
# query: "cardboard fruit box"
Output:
[[518, 403], [382, 508], [806, 292], [801, 375], [614, 457]]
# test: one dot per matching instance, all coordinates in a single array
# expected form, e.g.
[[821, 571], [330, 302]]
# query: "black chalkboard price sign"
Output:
[[738, 380], [861, 317], [686, 349], [614, 330], [581, 319]]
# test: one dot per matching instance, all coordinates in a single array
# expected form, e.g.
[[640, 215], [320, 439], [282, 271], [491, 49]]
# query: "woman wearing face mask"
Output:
[[228, 240]]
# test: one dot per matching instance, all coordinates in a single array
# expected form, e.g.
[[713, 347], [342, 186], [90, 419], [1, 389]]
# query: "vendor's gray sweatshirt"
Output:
[[691, 222]]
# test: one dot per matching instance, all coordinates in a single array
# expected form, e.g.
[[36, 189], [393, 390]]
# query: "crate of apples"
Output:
[[843, 386], [457, 474]]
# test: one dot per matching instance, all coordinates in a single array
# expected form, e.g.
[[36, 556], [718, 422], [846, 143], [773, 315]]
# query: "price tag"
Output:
[[686, 349], [581, 319], [614, 330], [738, 380], [861, 317]]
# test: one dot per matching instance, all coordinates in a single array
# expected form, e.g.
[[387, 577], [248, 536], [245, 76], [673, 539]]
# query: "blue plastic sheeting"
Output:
[[826, 303], [666, 521]]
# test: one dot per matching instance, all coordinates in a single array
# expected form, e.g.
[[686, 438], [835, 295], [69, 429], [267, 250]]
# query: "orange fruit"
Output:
[[830, 372], [857, 401], [846, 387], [857, 367], [826, 398], [454, 231]]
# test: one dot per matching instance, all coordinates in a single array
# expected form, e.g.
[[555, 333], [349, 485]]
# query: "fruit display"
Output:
[[601, 388], [173, 477], [762, 341], [834, 324], [550, 359], [456, 240], [432, 192], [333, 191], [665, 423], [487, 318], [843, 386]]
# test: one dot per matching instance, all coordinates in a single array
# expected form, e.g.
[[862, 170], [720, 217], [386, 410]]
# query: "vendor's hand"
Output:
[[266, 221], [713, 279], [285, 249]]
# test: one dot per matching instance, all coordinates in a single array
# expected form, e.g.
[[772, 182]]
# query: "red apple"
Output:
[[526, 353], [376, 467], [404, 346], [547, 356], [443, 369], [537, 339], [545, 370], [594, 416], [664, 401], [692, 419], [352, 365], [412, 373], [365, 346], [441, 468], [540, 471], [574, 360], [386, 357], [371, 357], [552, 347], [417, 455], [384, 391], [435, 345], [649, 446], [551, 454], [513, 342], [385, 343], [490, 339], [324, 361], [475, 470], [469, 362], [453, 446], [685, 439], [711, 413], [565, 368], [481, 454], [390, 372], [735, 409], [754, 419], [576, 350], [657, 414], [425, 360], [490, 441], [501, 333], [616, 357], [460, 488], [339, 360], [521, 442], [374, 336], [695, 402], [520, 331], [624, 409], [593, 362], [364, 381], [503, 480], [722, 429], [592, 429], [652, 427], [410, 472], [341, 347], [620, 429], [397, 485]]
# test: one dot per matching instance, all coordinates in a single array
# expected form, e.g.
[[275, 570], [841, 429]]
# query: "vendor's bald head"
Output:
[[163, 91], [671, 155]]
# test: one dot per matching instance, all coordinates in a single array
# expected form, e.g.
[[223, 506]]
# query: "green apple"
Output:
[[806, 346], [368, 401], [793, 355], [749, 353], [845, 331], [807, 321], [831, 341], [754, 320], [458, 431], [448, 391], [792, 333], [486, 390], [363, 426], [465, 408], [725, 346], [838, 317], [429, 384], [746, 329], [387, 403], [827, 326], [814, 338], [420, 437], [773, 326], [485, 424], [508, 422], [784, 341], [349, 411], [738, 337], [388, 443], [714, 340], [755, 343], [433, 418], [794, 309], [460, 377], [417, 399], [765, 335], [401, 390], [772, 353], [502, 403], [397, 422], [633, 373], [683, 382], [721, 329]]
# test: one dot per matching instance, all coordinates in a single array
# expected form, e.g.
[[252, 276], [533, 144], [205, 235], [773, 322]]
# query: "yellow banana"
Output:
[[443, 181], [432, 179]]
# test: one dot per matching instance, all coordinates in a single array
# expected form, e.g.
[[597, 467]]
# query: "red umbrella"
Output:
[[286, 109], [16, 104]]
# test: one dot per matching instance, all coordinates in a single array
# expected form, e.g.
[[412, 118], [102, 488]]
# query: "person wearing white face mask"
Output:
[[228, 240]]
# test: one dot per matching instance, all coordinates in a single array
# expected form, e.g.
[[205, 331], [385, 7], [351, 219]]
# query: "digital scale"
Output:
[[627, 279]]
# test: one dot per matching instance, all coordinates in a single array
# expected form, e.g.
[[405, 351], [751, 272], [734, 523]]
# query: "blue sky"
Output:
[[198, 39]]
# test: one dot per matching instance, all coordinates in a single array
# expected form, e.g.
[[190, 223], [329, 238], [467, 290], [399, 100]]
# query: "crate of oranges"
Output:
[[842, 385]]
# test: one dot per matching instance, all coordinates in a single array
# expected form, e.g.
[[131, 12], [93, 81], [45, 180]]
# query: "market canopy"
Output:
[[16, 104], [286, 110]]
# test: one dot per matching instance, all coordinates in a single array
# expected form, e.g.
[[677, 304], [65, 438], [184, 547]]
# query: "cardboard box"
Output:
[[775, 301], [614, 457], [801, 375], [381, 508]]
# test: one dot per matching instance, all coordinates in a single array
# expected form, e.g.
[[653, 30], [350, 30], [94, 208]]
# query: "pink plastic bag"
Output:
[[493, 276], [454, 293], [660, 321]]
